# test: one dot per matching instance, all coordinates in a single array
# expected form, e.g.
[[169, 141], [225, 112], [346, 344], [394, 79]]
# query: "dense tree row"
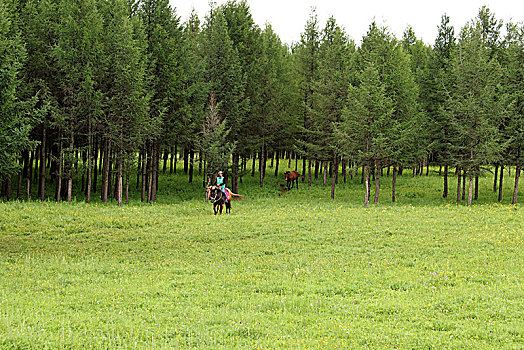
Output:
[[110, 89]]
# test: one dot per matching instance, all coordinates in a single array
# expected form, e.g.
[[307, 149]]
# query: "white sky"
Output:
[[288, 17]]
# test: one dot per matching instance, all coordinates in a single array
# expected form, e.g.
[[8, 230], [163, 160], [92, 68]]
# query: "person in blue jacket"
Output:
[[220, 182]]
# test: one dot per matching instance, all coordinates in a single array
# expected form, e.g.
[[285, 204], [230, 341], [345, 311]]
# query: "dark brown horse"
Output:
[[218, 198], [292, 176]]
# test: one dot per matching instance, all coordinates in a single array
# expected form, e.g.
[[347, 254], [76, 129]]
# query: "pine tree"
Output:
[[330, 92], [15, 120], [125, 97], [363, 131], [394, 68], [514, 83], [77, 53], [225, 77], [439, 87], [166, 50], [306, 53], [474, 105]]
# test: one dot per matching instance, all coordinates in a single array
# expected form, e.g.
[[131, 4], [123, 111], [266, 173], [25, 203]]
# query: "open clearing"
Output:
[[287, 271]]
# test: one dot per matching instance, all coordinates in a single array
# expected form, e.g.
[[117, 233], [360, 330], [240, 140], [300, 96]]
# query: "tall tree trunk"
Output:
[[290, 156], [303, 169], [394, 184], [139, 169], [501, 181], [186, 160], [445, 192], [200, 162], [166, 158], [120, 181], [363, 175], [105, 171], [144, 173], [176, 157], [171, 160], [261, 165], [377, 181], [29, 162], [127, 184], [516, 188], [191, 164], [83, 181], [204, 172], [253, 164], [277, 161], [95, 165], [30, 174], [89, 162], [470, 189], [36, 175], [344, 164], [70, 172], [309, 173], [20, 176], [317, 167], [155, 161], [60, 169], [464, 175], [459, 179], [366, 175], [8, 188], [325, 164], [335, 169], [41, 187], [476, 197], [234, 180], [427, 165], [150, 179], [272, 160], [334, 176], [495, 179]]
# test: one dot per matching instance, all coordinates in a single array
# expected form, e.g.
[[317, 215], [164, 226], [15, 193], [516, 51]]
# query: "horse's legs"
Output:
[[297, 182], [221, 207], [215, 209]]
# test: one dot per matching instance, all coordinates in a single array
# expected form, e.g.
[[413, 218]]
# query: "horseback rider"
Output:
[[220, 182]]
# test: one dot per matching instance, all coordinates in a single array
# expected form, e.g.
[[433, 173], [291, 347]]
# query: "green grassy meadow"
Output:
[[285, 270]]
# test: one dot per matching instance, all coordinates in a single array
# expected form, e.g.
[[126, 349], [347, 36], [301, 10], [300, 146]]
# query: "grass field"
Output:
[[284, 270]]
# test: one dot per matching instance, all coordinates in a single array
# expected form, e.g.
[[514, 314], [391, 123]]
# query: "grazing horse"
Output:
[[292, 176], [218, 198]]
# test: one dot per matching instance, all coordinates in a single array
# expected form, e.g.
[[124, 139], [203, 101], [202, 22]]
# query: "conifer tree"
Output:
[[225, 77], [439, 82], [77, 53], [363, 131], [306, 53], [475, 107], [514, 83], [125, 97], [15, 121]]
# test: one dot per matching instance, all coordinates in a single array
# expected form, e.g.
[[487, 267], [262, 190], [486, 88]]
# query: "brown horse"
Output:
[[292, 176]]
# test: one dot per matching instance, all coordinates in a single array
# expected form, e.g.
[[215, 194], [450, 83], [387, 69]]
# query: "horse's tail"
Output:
[[235, 194]]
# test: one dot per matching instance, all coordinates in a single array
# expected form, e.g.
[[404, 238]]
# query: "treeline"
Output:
[[99, 91]]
